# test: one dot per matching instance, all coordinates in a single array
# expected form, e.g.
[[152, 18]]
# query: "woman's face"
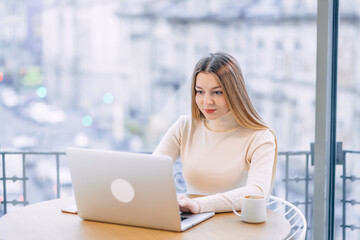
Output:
[[209, 96]]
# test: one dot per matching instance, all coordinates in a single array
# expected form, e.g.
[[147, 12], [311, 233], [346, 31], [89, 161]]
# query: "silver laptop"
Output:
[[127, 188]]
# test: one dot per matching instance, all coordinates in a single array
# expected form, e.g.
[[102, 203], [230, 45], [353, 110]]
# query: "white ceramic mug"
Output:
[[253, 209]]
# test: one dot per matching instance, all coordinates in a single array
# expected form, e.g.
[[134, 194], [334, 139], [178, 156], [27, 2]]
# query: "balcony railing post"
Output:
[[25, 202], [287, 177], [307, 177], [344, 198], [312, 146], [339, 153], [4, 183]]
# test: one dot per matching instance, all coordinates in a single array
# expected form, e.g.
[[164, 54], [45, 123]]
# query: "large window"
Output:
[[116, 74]]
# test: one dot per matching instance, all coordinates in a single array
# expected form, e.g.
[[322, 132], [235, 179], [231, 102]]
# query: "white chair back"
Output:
[[295, 217]]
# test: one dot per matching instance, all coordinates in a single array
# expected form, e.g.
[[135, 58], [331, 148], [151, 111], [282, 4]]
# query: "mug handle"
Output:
[[233, 207]]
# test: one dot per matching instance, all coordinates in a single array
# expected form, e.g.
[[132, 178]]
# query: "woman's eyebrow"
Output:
[[211, 88], [216, 88]]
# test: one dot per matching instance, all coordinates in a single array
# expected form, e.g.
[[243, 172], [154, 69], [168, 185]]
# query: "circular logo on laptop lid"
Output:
[[122, 190]]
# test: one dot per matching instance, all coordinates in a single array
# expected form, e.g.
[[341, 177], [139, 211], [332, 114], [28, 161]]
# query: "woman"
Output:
[[226, 150]]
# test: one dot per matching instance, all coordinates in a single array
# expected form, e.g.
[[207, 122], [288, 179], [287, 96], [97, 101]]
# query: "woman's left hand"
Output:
[[188, 205]]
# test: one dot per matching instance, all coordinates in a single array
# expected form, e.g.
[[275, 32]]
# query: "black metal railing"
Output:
[[294, 176], [342, 158], [4, 179], [296, 183]]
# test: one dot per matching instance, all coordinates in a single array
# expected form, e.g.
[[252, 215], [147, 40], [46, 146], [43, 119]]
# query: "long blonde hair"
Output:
[[228, 72]]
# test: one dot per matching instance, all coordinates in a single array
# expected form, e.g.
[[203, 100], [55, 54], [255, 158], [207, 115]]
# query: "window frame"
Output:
[[325, 119]]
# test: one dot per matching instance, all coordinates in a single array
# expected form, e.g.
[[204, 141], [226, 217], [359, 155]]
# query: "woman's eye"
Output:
[[199, 92], [218, 92]]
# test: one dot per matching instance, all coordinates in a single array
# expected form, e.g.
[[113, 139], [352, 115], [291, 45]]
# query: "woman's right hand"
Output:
[[188, 205]]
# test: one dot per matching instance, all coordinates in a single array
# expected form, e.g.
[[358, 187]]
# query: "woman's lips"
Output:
[[210, 111]]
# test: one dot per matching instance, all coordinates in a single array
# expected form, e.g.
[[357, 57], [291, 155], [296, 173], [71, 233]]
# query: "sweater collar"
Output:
[[222, 124]]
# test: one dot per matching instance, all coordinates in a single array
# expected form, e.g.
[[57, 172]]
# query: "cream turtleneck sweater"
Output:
[[220, 159]]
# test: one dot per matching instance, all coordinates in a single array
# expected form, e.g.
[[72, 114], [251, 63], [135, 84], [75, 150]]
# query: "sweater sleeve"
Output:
[[261, 157], [170, 143]]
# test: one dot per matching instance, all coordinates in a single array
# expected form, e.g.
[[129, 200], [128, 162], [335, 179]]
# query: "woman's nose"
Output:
[[208, 99]]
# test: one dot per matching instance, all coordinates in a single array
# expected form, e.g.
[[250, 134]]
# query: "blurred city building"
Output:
[[143, 54]]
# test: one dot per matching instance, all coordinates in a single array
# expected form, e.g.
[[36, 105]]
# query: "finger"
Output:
[[181, 197]]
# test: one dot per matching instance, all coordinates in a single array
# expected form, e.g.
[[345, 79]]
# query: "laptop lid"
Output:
[[125, 188]]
